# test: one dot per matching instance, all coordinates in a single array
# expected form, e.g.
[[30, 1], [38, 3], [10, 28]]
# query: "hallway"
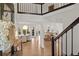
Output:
[[23, 26], [33, 48]]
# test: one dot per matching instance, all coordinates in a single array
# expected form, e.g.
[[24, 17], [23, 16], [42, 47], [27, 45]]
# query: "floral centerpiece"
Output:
[[4, 42]]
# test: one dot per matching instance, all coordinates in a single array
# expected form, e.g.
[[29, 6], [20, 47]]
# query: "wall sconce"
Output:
[[25, 27]]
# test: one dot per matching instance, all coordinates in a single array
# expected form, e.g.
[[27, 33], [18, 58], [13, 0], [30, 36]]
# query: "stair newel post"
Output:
[[53, 46]]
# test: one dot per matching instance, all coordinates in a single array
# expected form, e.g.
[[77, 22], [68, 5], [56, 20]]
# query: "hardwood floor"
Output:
[[33, 48]]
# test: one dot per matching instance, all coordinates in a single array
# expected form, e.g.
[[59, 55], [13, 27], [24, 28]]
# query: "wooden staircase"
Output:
[[57, 39]]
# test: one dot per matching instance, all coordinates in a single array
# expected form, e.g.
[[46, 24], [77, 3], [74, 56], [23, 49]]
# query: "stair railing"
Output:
[[65, 31]]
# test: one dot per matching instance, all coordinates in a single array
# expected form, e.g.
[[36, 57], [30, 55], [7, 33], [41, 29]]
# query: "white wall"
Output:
[[66, 16], [35, 21], [56, 5]]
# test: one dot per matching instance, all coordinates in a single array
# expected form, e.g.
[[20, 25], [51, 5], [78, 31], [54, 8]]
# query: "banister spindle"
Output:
[[41, 9], [20, 7], [70, 27], [66, 43], [61, 45], [72, 42], [58, 46]]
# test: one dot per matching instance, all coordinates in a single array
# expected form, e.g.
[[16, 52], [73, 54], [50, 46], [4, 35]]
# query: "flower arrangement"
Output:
[[4, 31]]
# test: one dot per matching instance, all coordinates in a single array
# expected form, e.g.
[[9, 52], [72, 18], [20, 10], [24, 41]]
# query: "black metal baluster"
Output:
[[72, 42], [66, 43]]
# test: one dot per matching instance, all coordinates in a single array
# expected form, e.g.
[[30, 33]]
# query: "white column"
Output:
[[15, 16], [15, 12], [42, 37]]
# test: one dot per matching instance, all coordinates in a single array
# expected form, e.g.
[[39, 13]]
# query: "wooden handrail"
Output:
[[68, 28], [65, 31]]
